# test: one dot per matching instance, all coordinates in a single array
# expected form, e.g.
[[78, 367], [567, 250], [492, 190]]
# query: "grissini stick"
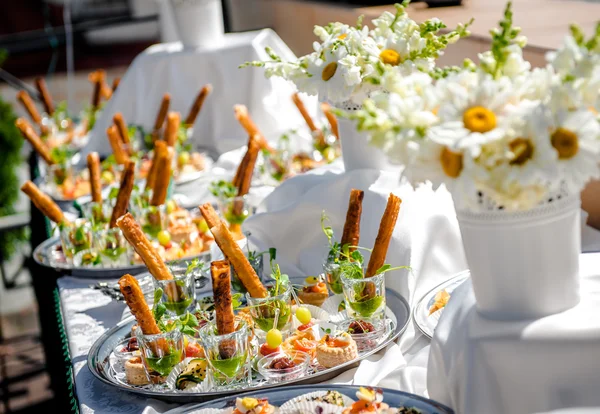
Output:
[[136, 302], [173, 121], [221, 285], [162, 179], [106, 91], [97, 78], [210, 215], [134, 297], [384, 235], [243, 117], [162, 112], [234, 254], [93, 163], [197, 106], [124, 194], [46, 98], [160, 147], [241, 167], [121, 125], [140, 243], [29, 106], [245, 180], [326, 108], [44, 203], [34, 139], [114, 138], [317, 133], [351, 233], [115, 84]]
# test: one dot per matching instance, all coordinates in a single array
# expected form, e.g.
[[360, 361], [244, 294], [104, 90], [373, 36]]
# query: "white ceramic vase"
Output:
[[357, 153], [524, 265], [199, 23]]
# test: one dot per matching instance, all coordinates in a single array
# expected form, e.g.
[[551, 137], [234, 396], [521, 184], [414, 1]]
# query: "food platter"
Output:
[[427, 322], [99, 359], [280, 396], [49, 254]]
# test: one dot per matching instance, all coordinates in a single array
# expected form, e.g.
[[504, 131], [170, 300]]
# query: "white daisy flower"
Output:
[[575, 135]]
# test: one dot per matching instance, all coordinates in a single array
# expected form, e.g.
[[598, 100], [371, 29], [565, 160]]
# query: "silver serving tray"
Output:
[[98, 359], [43, 252], [426, 322]]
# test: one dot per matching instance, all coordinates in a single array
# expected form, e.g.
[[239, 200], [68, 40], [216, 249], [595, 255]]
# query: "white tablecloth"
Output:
[[482, 366], [169, 67]]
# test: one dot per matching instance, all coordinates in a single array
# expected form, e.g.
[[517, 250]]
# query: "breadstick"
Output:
[[97, 78], [115, 84], [326, 108], [238, 260], [34, 139], [241, 167], [210, 215], [243, 117], [221, 284], [106, 91], [173, 121], [160, 147], [140, 243], [121, 156], [29, 106], [351, 233], [382, 242], [162, 179], [93, 163], [307, 118], [162, 112], [134, 298], [45, 95], [122, 127], [248, 169], [44, 203], [197, 106], [124, 194]]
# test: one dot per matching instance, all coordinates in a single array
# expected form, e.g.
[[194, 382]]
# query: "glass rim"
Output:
[[374, 279], [153, 337], [281, 296], [209, 331], [298, 368]]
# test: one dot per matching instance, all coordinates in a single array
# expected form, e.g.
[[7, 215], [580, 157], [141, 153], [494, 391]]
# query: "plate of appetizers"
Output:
[[429, 309], [283, 331], [342, 399]]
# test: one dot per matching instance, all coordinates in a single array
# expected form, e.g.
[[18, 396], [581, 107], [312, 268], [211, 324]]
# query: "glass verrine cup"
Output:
[[160, 353], [366, 332], [153, 220], [235, 210], [278, 165], [263, 310], [61, 178], [87, 258], [228, 355], [113, 248], [281, 367], [76, 237], [179, 294], [332, 276], [365, 297], [257, 264], [98, 214]]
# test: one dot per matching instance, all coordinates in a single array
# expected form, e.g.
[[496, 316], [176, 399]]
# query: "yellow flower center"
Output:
[[565, 142], [390, 57], [479, 119], [329, 71], [522, 148], [452, 162], [343, 36]]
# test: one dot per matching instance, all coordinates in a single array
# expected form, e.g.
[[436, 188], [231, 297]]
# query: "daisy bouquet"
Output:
[[348, 62], [498, 132]]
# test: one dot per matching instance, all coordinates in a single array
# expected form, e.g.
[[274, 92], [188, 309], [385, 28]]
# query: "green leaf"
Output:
[[383, 269], [272, 254], [236, 300]]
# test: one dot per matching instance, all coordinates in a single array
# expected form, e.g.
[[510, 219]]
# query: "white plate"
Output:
[[426, 322]]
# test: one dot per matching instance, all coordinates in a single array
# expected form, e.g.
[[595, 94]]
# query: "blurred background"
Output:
[[64, 40]]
